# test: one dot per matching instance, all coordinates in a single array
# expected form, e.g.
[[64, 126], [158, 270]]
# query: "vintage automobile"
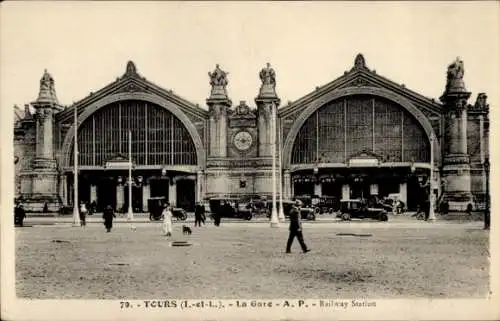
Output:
[[237, 208], [155, 207], [320, 204], [388, 203], [357, 208], [325, 204], [306, 213]]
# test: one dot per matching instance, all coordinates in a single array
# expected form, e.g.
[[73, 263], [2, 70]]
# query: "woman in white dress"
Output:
[[83, 214], [167, 221]]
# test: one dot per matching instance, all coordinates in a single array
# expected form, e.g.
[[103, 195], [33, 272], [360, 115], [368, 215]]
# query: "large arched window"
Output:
[[357, 123], [158, 137]]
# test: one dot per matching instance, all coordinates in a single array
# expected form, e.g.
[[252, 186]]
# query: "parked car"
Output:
[[325, 204], [237, 208], [306, 213], [388, 203], [359, 209]]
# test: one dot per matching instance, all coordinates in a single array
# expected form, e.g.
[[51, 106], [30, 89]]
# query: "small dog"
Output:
[[186, 230]]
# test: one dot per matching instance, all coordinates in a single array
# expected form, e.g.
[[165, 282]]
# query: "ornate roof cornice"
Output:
[[132, 81], [361, 76]]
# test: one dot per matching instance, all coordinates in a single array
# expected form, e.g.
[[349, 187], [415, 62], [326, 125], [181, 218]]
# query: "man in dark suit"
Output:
[[296, 228], [199, 212], [19, 215]]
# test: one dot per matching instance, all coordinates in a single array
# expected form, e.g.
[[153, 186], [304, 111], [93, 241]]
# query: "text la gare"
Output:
[[253, 304]]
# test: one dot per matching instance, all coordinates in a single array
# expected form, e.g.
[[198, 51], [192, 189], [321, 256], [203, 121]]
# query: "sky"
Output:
[[86, 45]]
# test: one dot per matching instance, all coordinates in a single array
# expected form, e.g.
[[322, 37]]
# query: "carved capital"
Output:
[[218, 111]]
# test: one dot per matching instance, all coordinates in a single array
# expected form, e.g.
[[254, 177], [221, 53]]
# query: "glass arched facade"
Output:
[[158, 137], [351, 125]]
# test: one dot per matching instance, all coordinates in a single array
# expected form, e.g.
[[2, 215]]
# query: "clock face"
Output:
[[243, 140]]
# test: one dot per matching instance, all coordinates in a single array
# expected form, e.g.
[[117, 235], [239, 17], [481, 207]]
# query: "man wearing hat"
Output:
[[296, 228]]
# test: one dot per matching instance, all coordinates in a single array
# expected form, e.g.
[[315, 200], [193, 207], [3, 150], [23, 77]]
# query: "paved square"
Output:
[[248, 261]]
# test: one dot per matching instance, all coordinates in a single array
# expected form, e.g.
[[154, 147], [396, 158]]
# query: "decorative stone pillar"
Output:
[[266, 101], [146, 192], [45, 178], [200, 191], [120, 201], [218, 105], [93, 193], [346, 192], [63, 189], [456, 161], [172, 193], [287, 191], [403, 192]]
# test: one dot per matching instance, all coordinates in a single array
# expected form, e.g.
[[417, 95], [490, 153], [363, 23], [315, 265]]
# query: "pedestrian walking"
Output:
[[296, 228], [19, 215], [199, 212], [108, 216], [167, 220], [83, 214]]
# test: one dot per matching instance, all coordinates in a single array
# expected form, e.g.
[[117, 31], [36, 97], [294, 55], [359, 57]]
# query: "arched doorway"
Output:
[[162, 148], [359, 145]]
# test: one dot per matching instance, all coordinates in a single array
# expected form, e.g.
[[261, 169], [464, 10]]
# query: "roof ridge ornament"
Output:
[[359, 62], [131, 69]]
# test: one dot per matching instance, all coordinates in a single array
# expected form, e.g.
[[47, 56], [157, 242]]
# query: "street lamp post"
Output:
[[487, 211], [274, 212], [130, 214], [281, 211], [76, 213], [432, 214]]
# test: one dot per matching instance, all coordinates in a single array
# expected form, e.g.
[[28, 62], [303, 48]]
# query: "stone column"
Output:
[[120, 201], [346, 192], [93, 193], [263, 126], [45, 178], [200, 191], [63, 189], [172, 193], [70, 195], [218, 104], [456, 161], [287, 191], [145, 196], [266, 101], [403, 192]]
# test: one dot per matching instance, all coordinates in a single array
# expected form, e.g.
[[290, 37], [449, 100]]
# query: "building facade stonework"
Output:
[[360, 135]]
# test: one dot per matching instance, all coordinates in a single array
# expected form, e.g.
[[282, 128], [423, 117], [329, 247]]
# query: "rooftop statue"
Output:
[[481, 102], [268, 76], [455, 76], [218, 77], [218, 81], [47, 89]]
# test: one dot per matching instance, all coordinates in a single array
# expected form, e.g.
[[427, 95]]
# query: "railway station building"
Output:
[[357, 136]]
